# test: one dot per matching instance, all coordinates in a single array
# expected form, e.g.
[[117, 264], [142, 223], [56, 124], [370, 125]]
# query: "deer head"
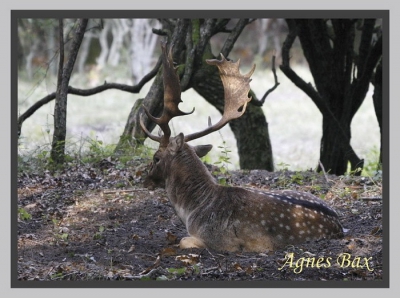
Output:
[[220, 217], [236, 88]]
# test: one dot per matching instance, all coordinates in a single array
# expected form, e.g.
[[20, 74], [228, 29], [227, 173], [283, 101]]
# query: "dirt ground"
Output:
[[97, 222]]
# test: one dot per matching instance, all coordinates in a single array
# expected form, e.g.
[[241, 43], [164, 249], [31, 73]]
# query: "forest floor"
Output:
[[97, 222]]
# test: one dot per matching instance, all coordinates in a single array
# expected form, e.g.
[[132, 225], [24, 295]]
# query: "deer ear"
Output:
[[202, 150], [176, 144]]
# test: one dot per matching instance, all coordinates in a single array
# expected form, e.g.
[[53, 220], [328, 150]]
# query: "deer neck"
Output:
[[191, 184]]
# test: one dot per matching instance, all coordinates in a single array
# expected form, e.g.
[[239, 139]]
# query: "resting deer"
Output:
[[225, 218]]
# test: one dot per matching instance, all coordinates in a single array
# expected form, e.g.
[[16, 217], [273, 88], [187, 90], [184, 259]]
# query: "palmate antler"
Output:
[[172, 98], [236, 90]]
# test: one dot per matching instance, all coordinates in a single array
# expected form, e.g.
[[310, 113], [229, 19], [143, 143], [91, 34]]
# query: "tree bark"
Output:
[[60, 108]]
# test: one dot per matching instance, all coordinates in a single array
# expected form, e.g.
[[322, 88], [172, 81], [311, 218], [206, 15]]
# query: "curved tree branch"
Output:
[[221, 26], [260, 102], [362, 84], [298, 81], [88, 92], [365, 44], [206, 31], [233, 36]]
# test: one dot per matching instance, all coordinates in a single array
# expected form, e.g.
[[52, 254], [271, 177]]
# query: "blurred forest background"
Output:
[[123, 51]]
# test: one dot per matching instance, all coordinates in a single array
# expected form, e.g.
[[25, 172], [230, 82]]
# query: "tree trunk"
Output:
[[133, 134], [60, 108], [377, 99], [332, 150]]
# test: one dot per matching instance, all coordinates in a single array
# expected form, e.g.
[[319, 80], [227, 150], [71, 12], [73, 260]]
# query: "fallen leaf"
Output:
[[169, 251], [190, 259], [250, 269], [237, 267], [171, 238], [160, 218]]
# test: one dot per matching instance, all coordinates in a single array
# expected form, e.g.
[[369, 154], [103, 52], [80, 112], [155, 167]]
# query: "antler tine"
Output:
[[172, 98], [236, 90], [146, 131]]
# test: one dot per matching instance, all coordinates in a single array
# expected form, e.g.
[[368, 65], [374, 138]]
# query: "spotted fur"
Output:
[[226, 218]]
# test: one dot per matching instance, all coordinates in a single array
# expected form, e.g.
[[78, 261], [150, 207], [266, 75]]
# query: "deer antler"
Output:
[[172, 98], [236, 90]]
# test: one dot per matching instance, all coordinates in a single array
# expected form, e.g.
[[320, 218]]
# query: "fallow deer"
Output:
[[226, 218]]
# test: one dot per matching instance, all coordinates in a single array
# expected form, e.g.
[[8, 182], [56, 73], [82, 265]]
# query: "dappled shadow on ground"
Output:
[[98, 223]]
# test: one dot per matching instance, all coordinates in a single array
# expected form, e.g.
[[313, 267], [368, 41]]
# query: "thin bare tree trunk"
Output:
[[118, 29], [101, 60], [64, 75], [143, 42], [51, 51], [29, 58], [85, 46]]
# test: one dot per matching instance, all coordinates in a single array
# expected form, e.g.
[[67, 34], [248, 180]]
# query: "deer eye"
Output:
[[156, 159]]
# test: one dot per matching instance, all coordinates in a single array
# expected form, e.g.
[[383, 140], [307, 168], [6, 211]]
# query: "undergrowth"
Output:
[[90, 150], [81, 152], [221, 170]]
